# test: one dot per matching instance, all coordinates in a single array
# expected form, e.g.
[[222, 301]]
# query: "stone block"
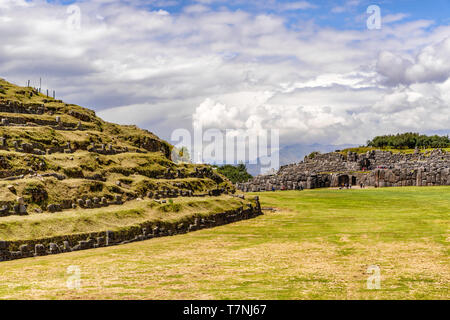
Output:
[[39, 250]]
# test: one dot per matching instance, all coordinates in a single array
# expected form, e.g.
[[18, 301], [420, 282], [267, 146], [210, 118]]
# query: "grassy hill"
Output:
[[95, 157], [64, 171], [319, 245]]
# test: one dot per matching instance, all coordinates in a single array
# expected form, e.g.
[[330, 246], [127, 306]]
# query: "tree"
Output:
[[235, 173], [409, 140]]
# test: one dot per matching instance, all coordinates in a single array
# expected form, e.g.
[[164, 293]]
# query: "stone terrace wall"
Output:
[[10, 250], [374, 168]]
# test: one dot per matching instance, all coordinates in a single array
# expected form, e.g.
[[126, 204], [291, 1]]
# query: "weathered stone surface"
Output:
[[54, 249], [53, 208], [66, 246], [118, 199], [374, 168], [95, 241], [39, 250]]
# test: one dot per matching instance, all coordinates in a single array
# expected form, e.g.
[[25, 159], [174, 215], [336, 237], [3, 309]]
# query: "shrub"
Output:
[[409, 140], [235, 173]]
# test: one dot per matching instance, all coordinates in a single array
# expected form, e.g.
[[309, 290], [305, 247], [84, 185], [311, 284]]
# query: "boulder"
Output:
[[53, 208], [11, 188], [39, 250], [54, 249]]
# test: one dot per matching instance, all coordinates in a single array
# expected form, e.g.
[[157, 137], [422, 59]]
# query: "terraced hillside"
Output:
[[56, 156]]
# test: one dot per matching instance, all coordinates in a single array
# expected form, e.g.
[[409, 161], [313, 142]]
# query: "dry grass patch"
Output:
[[311, 251]]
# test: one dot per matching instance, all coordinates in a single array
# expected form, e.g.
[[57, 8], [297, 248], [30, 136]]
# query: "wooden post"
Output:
[[47, 93], [28, 84], [53, 94]]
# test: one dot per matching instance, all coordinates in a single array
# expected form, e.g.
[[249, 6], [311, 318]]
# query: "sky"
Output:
[[320, 72]]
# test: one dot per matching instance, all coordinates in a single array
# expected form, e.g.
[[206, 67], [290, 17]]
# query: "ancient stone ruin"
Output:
[[374, 168], [11, 250], [56, 157]]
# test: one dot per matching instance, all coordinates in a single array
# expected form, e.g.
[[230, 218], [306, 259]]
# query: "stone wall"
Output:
[[18, 107], [10, 250], [19, 207], [375, 168]]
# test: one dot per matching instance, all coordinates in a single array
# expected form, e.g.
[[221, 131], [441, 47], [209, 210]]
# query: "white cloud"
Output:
[[432, 64], [349, 5], [233, 69], [196, 8], [390, 18], [8, 4], [297, 5]]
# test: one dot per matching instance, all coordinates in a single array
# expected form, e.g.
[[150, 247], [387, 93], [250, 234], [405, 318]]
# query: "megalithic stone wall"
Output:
[[374, 168]]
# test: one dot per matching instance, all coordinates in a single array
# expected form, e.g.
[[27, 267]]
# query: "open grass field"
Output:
[[319, 246]]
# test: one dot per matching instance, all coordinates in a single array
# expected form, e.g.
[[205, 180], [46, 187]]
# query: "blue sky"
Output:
[[321, 10]]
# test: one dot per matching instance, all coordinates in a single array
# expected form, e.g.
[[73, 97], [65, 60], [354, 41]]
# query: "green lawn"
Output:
[[319, 246]]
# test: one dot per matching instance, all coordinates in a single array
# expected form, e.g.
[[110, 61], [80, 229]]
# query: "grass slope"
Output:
[[138, 161], [112, 218], [393, 150], [318, 247]]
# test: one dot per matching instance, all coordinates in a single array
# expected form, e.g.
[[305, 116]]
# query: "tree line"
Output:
[[235, 173], [409, 140]]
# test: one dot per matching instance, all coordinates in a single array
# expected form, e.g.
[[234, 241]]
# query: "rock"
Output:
[[25, 250], [23, 209], [91, 243], [53, 208], [20, 208], [109, 238], [83, 245], [374, 168], [4, 245], [54, 249], [66, 246], [101, 241], [11, 188], [39, 250]]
